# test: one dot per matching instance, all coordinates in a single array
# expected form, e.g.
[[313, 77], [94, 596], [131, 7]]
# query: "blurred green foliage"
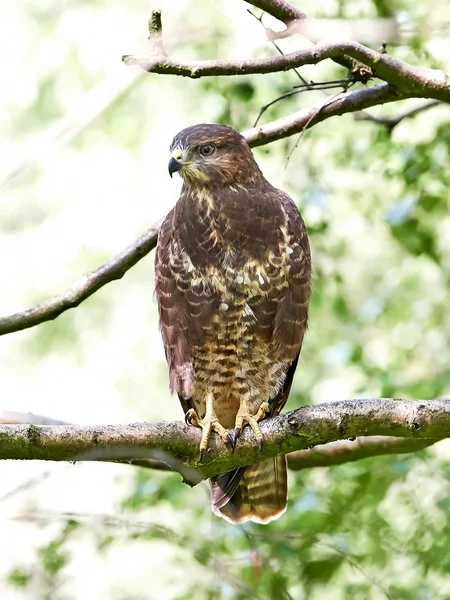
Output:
[[377, 208]]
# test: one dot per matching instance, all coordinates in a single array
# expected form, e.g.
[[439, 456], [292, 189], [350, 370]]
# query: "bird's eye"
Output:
[[207, 149]]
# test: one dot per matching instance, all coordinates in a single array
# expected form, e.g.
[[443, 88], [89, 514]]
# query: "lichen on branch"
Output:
[[299, 429]]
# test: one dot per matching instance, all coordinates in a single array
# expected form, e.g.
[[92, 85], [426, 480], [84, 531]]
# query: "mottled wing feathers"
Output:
[[292, 311], [291, 318], [174, 313], [186, 302]]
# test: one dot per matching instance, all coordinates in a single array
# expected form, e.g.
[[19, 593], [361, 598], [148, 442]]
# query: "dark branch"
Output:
[[391, 122], [297, 430], [281, 10]]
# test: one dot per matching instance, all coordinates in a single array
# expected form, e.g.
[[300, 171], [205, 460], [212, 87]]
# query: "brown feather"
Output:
[[233, 282]]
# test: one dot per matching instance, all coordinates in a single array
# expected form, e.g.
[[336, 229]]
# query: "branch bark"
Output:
[[323, 455], [343, 451], [86, 286], [418, 81], [292, 431], [308, 117]]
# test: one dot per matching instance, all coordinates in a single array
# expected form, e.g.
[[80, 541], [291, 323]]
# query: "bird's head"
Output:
[[208, 154]]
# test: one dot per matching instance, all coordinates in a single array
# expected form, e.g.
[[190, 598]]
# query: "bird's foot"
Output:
[[244, 417], [209, 423]]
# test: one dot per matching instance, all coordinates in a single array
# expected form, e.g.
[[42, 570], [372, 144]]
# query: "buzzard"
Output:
[[233, 274]]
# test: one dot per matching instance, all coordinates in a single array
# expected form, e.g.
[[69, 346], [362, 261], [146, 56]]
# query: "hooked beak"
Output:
[[174, 166]]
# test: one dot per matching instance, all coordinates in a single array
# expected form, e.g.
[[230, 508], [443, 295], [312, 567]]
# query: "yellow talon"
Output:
[[244, 417], [209, 423]]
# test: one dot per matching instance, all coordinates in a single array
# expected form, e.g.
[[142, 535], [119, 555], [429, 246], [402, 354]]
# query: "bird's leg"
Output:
[[209, 423], [244, 416]]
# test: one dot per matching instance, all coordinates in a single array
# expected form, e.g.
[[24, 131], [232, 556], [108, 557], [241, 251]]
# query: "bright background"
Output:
[[83, 171]]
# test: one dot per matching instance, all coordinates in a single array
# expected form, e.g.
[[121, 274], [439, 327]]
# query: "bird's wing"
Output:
[[281, 314], [291, 320], [186, 306]]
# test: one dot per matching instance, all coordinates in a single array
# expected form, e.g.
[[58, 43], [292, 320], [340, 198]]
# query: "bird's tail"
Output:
[[256, 493]]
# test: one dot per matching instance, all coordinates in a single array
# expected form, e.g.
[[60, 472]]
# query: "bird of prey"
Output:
[[233, 274]]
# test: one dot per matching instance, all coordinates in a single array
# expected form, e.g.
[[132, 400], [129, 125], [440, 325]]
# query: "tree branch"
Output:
[[418, 81], [10, 417], [296, 430], [391, 122], [281, 10], [323, 455], [86, 286], [308, 117], [158, 460], [343, 451]]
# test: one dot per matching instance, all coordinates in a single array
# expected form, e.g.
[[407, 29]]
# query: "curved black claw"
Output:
[[270, 414], [260, 444], [187, 418], [202, 454], [233, 435]]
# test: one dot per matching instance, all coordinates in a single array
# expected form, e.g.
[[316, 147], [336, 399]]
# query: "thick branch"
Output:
[[296, 430], [158, 461], [324, 455]]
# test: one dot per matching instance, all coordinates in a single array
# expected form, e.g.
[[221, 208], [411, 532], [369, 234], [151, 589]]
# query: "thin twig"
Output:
[[298, 89], [313, 116], [275, 45]]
